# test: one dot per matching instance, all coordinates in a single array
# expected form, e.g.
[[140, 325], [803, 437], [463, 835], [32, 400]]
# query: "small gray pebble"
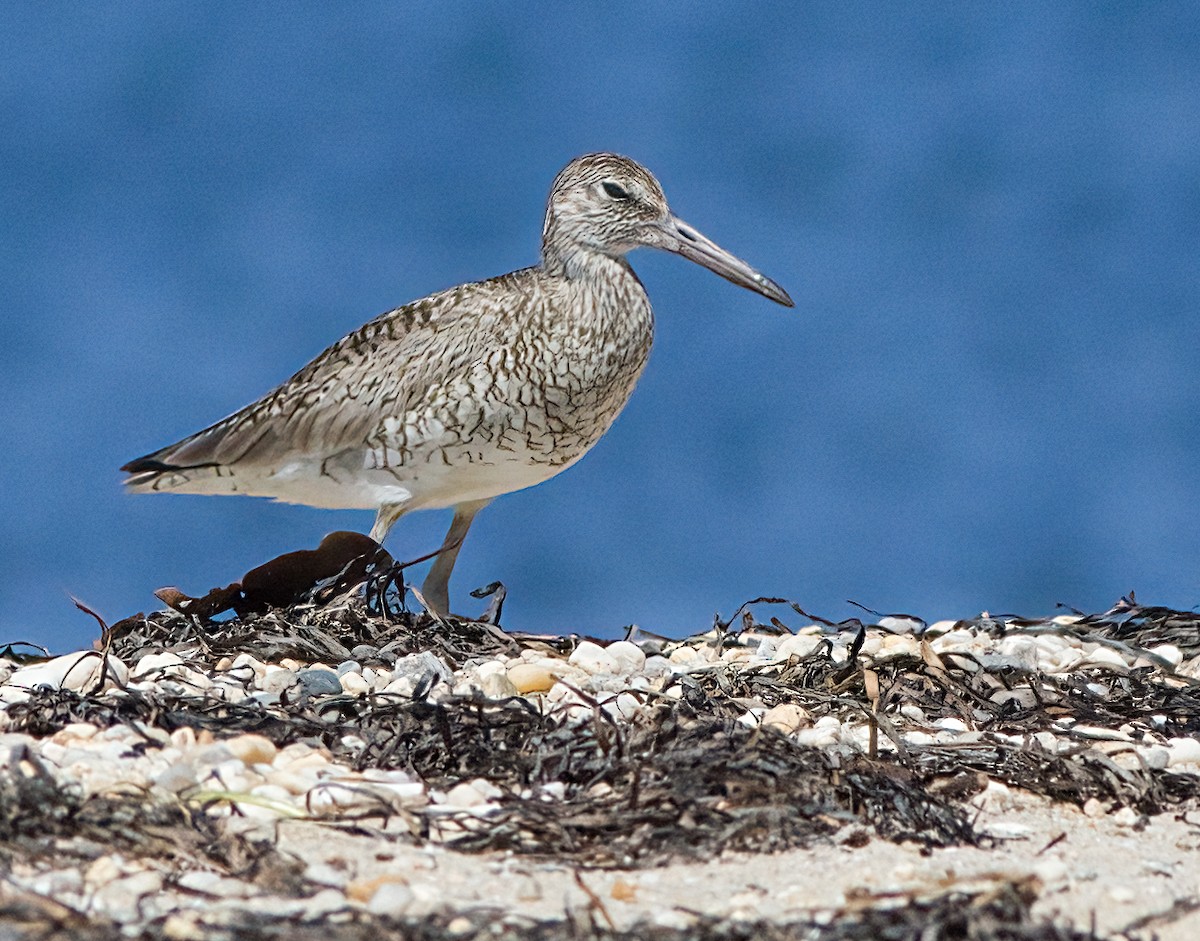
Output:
[[319, 682], [418, 665], [349, 666], [364, 652], [267, 699]]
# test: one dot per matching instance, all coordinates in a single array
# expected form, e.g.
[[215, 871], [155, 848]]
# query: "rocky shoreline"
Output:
[[341, 769]]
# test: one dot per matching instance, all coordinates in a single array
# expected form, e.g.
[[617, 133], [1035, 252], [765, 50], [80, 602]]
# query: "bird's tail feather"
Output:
[[150, 475]]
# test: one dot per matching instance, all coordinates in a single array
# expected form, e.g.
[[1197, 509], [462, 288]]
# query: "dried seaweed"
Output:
[[1148, 626], [672, 785], [311, 632], [315, 605], [685, 777], [41, 820], [694, 789], [996, 912]]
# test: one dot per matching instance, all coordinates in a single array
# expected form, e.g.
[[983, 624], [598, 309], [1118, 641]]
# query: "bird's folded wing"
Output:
[[341, 399]]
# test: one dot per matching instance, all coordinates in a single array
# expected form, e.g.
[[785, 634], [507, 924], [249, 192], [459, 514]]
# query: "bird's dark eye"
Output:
[[613, 190]]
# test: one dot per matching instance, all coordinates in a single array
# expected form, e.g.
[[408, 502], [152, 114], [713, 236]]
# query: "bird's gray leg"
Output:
[[385, 519], [436, 588]]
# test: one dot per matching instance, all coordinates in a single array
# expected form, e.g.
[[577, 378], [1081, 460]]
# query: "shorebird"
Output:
[[470, 393]]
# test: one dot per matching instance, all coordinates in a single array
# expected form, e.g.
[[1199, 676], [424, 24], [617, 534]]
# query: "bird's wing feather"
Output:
[[340, 399]]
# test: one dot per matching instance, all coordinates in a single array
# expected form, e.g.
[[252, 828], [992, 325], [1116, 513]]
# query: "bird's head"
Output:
[[610, 205]]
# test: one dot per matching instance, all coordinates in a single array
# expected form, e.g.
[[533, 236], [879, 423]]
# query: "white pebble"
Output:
[[272, 792], [155, 663], [1105, 656], [628, 656], [913, 711], [75, 731], [324, 903], [245, 660], [766, 650], [400, 686], [786, 718], [995, 797], [684, 655], [391, 898], [1047, 740], [1062, 662], [959, 640], [354, 684], [751, 718], [657, 666], [177, 777], [798, 645], [464, 795], [295, 782], [1008, 830], [75, 671], [1094, 807], [592, 658], [622, 706], [490, 668], [252, 749], [58, 883], [900, 645], [1155, 758], [1184, 751], [120, 897], [901, 624], [1099, 733], [211, 883], [528, 678], [422, 667], [499, 686], [1169, 652], [277, 679], [816, 738], [1023, 696]]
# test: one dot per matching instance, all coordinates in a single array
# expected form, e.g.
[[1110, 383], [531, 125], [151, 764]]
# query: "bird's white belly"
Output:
[[428, 476]]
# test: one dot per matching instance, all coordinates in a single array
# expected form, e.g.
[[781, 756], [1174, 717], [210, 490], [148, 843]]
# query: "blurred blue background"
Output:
[[989, 218]]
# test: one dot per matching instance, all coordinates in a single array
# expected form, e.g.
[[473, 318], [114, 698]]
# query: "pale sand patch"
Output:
[[1102, 867]]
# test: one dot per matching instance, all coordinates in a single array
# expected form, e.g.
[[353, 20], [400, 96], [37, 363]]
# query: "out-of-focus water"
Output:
[[989, 218]]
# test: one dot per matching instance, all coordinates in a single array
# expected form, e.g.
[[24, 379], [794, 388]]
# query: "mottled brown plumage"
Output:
[[469, 393]]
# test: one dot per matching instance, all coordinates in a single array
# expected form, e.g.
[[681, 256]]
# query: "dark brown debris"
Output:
[[342, 562]]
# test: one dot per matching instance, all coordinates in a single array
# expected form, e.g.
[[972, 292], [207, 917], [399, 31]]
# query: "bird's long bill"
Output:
[[682, 239]]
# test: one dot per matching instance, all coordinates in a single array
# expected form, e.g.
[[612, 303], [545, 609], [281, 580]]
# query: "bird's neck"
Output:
[[586, 265]]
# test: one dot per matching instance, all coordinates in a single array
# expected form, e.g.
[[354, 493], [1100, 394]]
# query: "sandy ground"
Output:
[[1114, 871]]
